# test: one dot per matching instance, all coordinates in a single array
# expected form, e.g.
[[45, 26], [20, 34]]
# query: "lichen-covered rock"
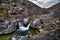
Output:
[[7, 27]]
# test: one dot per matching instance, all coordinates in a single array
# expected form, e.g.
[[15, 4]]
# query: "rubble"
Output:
[[40, 23], [42, 36]]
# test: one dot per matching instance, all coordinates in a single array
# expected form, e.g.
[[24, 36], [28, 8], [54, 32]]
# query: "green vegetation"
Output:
[[8, 36]]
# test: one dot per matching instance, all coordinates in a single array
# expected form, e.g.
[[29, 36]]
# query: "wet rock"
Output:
[[14, 38]]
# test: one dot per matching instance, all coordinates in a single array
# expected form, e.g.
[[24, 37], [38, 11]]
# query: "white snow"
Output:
[[45, 3]]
